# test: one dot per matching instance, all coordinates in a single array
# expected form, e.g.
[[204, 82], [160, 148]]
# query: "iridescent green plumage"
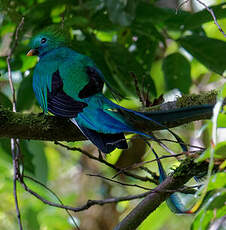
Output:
[[69, 84], [81, 83]]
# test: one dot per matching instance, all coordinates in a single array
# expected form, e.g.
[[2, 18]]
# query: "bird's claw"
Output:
[[41, 114]]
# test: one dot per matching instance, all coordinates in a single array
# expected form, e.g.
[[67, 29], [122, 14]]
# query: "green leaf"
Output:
[[4, 101], [122, 62], [224, 90], [39, 160], [146, 51], [3, 64], [57, 10], [25, 95], [177, 72], [10, 9], [218, 201], [187, 21], [27, 157], [5, 144], [205, 216], [7, 28], [198, 19], [31, 216], [210, 52], [220, 149], [205, 155], [147, 29], [28, 62], [26, 154], [148, 12], [121, 12], [101, 21], [217, 181], [219, 152], [77, 21], [221, 120], [16, 63]]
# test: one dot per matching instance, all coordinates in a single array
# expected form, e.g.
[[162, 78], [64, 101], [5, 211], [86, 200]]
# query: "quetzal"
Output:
[[69, 84]]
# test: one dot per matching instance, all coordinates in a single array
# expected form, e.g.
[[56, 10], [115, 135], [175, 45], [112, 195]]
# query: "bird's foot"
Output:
[[100, 155], [41, 114]]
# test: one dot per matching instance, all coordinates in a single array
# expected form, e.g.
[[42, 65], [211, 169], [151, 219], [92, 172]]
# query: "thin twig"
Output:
[[183, 189], [118, 182], [138, 92], [19, 27], [153, 174], [15, 142], [139, 165], [213, 15], [188, 145], [14, 150], [208, 9], [88, 204], [145, 179], [153, 200], [52, 192]]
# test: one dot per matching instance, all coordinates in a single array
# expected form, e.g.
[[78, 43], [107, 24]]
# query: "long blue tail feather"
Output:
[[105, 142], [145, 117], [174, 202]]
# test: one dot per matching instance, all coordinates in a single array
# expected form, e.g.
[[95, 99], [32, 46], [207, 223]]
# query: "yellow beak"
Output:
[[32, 52]]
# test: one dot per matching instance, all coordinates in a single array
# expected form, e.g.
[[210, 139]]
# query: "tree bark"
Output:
[[50, 128]]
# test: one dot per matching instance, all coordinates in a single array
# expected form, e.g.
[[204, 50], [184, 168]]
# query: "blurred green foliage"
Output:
[[165, 50]]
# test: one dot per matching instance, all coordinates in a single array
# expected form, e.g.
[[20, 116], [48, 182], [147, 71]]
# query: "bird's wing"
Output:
[[59, 103], [42, 79], [81, 79], [95, 84], [49, 89]]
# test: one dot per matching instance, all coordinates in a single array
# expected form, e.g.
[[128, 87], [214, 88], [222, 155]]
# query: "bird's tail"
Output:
[[178, 202], [106, 142], [147, 121], [164, 119], [106, 127]]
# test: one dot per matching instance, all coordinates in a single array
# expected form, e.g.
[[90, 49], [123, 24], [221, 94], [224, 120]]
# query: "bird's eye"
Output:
[[43, 40]]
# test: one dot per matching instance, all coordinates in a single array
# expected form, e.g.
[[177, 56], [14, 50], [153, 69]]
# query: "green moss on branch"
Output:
[[51, 128], [182, 174], [37, 127]]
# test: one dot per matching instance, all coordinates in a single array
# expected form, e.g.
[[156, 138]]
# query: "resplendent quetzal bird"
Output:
[[69, 84]]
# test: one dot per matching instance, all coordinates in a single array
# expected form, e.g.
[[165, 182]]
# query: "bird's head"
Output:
[[46, 41]]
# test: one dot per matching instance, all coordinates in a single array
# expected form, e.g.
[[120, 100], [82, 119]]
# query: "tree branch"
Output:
[[44, 127], [103, 161], [83, 207], [182, 174], [15, 142]]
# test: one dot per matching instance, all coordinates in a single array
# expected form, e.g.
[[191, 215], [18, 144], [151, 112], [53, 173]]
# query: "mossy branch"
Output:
[[37, 127], [182, 174], [45, 127], [184, 110]]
